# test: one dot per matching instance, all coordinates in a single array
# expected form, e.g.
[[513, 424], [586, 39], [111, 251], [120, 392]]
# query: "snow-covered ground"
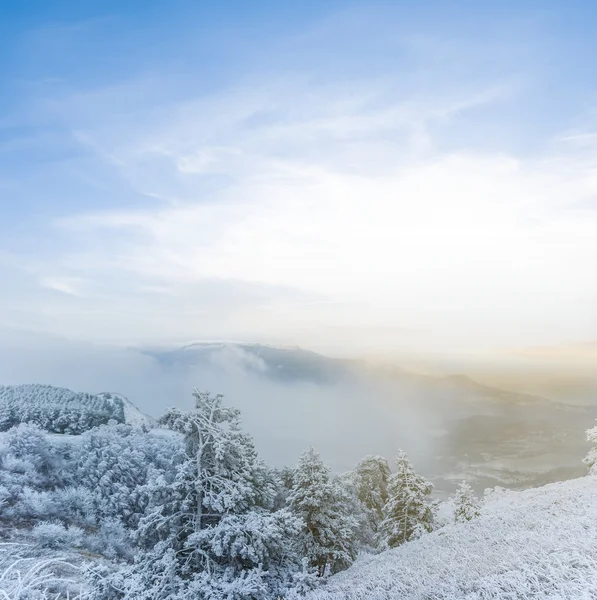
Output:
[[26, 573], [539, 543], [536, 544]]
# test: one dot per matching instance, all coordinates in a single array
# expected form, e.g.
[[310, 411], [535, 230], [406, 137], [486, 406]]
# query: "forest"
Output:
[[188, 510]]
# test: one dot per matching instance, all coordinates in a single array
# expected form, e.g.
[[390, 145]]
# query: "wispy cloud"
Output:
[[350, 207], [69, 286], [289, 205]]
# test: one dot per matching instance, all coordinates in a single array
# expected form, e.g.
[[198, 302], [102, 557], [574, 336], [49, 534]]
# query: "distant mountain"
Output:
[[296, 364], [457, 427], [466, 384], [277, 363]]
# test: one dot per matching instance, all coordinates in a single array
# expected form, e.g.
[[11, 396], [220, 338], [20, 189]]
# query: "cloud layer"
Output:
[[355, 214]]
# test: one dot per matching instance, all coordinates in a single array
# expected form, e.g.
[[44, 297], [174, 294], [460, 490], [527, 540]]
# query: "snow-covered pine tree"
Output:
[[209, 531], [370, 480], [328, 538], [466, 504], [408, 513], [591, 458], [227, 475]]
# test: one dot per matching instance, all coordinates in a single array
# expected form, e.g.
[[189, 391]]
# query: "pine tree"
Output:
[[328, 537], [408, 513], [466, 504], [370, 480], [591, 458], [209, 531]]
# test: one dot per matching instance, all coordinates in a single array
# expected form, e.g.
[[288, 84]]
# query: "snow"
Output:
[[25, 575], [186, 509], [539, 543], [55, 409], [60, 410], [132, 415]]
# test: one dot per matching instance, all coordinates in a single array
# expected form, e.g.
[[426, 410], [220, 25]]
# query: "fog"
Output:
[[452, 427], [343, 420]]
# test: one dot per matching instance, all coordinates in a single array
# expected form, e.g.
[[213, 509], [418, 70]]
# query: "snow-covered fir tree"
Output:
[[408, 512], [591, 458], [466, 504], [284, 477], [328, 537]]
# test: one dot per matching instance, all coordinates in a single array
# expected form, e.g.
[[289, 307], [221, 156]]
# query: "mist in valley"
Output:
[[451, 426]]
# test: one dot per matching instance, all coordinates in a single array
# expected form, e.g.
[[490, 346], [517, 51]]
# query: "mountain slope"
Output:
[[60, 410], [132, 415], [539, 543], [55, 409]]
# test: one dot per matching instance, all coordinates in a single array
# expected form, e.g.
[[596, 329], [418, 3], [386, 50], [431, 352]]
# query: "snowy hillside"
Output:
[[132, 415], [57, 410], [539, 543], [60, 410], [121, 514]]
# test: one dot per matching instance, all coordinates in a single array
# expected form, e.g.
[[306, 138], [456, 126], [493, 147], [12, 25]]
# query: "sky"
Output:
[[352, 177]]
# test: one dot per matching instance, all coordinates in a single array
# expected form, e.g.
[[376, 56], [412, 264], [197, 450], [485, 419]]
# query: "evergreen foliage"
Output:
[[328, 537], [591, 458], [56, 410], [370, 483], [209, 524], [408, 512], [466, 504]]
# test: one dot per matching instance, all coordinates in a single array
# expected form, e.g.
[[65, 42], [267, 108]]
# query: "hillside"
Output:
[[60, 410], [536, 544], [104, 499], [539, 543], [132, 415]]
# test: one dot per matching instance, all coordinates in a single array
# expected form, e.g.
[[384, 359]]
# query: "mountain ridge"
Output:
[[326, 368]]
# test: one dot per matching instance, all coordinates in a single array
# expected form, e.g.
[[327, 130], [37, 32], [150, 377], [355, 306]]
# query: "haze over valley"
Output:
[[453, 426]]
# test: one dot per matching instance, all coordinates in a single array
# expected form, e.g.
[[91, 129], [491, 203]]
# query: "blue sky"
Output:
[[351, 176]]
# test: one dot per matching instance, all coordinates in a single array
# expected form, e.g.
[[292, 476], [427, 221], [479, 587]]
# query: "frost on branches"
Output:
[[370, 480], [57, 410], [328, 536], [466, 504], [536, 544], [116, 463], [209, 530], [121, 512], [408, 512], [591, 458]]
